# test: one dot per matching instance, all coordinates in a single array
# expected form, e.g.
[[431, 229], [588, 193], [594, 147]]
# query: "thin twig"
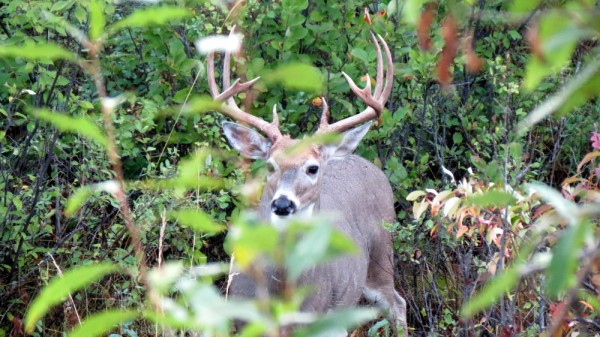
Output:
[[59, 271], [163, 217]]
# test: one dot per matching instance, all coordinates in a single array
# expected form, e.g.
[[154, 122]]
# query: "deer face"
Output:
[[294, 177]]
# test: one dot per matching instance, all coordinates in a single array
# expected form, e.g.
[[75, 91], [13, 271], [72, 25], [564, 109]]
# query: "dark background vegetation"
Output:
[[468, 123]]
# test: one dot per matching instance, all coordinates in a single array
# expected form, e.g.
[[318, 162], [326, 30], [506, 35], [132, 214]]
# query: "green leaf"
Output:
[[518, 6], [81, 125], [153, 16], [97, 19], [201, 104], [249, 239], [320, 244], [412, 10], [360, 54], [77, 199], [197, 220], [18, 204], [491, 198], [297, 76], [37, 51], [492, 291], [337, 321], [558, 37], [457, 138], [565, 208], [580, 88], [565, 256], [100, 323], [60, 287]]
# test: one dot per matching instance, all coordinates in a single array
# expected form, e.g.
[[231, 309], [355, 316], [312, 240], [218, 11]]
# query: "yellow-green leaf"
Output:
[[565, 255], [81, 125], [492, 291], [153, 16], [491, 198], [37, 51], [297, 76], [60, 287], [101, 323], [97, 19], [197, 220], [77, 199]]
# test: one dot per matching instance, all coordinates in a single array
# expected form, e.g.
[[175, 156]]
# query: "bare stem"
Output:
[[115, 160]]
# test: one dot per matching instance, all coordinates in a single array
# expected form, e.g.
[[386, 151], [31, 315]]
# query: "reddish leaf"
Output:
[[588, 157], [541, 210], [317, 101], [508, 331], [533, 37], [595, 140], [474, 63], [367, 16], [17, 324], [450, 36], [424, 27]]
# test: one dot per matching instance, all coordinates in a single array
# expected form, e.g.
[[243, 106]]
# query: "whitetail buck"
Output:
[[324, 178]]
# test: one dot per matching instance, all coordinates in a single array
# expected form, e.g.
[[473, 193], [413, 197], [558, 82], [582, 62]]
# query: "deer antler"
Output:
[[230, 108], [375, 101]]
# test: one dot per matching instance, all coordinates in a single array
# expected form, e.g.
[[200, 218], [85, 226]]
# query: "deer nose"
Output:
[[283, 206]]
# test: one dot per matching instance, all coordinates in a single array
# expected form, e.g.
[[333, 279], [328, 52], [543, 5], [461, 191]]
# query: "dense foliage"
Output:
[[497, 201]]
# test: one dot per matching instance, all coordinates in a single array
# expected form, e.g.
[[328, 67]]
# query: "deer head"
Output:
[[294, 181]]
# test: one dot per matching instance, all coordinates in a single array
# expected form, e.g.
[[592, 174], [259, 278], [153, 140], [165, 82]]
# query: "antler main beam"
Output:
[[375, 100], [229, 107]]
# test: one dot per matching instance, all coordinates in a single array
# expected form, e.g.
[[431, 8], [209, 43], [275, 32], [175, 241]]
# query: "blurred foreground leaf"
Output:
[[298, 76], [492, 291], [77, 199], [153, 16], [320, 244], [37, 51], [97, 19], [197, 220], [335, 322], [80, 125], [565, 256], [580, 88], [60, 287], [101, 323], [490, 199]]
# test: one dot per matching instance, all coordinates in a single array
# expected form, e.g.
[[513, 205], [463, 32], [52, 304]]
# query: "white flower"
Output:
[[109, 186], [225, 43], [28, 91], [111, 103]]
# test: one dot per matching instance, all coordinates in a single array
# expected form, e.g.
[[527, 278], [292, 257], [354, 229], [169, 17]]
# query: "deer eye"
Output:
[[270, 168], [312, 169]]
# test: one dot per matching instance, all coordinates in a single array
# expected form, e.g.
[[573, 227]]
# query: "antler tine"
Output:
[[229, 107], [379, 79], [275, 121], [375, 101], [365, 94], [389, 76], [227, 71], [210, 74], [324, 115]]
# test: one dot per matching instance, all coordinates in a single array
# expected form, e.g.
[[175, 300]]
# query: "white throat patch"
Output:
[[281, 222]]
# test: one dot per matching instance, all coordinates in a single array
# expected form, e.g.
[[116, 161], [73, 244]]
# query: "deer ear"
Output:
[[247, 141], [348, 143]]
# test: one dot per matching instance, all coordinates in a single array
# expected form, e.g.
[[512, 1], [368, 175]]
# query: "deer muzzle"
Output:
[[283, 206]]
